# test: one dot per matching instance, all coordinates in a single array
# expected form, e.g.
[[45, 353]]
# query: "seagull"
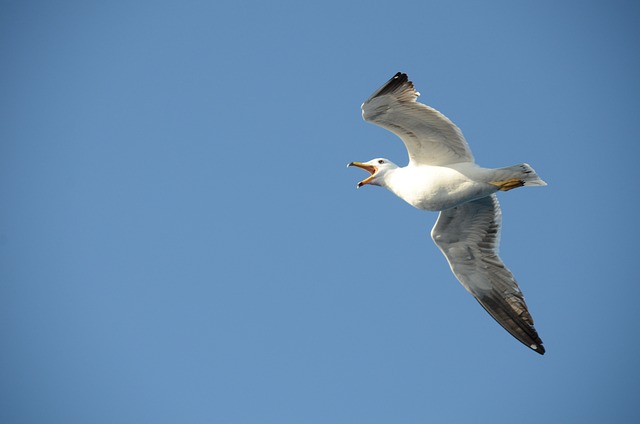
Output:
[[442, 176]]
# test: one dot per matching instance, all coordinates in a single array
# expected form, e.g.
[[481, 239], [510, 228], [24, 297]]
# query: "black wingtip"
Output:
[[394, 83], [538, 349], [522, 329]]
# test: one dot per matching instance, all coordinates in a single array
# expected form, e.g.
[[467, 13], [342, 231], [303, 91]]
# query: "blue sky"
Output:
[[180, 240]]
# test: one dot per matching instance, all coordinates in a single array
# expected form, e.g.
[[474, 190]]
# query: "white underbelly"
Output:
[[437, 188]]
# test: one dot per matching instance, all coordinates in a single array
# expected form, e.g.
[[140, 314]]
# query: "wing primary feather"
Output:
[[392, 85]]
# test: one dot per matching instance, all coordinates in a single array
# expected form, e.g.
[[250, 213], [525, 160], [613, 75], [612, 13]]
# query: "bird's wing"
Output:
[[430, 137], [469, 236]]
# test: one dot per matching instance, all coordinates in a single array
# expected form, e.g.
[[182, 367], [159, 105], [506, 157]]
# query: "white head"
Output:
[[378, 168]]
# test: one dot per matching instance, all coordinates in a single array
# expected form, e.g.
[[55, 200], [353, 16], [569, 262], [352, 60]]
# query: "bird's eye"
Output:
[[380, 161]]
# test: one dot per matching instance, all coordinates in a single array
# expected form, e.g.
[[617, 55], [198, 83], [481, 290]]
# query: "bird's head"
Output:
[[378, 168]]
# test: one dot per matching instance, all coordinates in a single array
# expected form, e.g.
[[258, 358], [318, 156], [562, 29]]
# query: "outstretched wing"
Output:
[[430, 137], [469, 236]]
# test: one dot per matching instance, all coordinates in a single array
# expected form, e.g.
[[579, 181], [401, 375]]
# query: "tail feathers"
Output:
[[517, 176], [529, 175]]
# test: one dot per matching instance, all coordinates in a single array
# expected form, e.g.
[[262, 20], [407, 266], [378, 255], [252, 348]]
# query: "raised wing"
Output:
[[469, 236], [430, 137]]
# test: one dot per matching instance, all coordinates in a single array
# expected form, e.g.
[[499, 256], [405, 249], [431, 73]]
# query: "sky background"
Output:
[[181, 242]]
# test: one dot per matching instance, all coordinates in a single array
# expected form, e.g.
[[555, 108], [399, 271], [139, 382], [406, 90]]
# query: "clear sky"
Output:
[[181, 242]]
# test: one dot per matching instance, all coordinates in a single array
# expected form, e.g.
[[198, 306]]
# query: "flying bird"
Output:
[[442, 176]]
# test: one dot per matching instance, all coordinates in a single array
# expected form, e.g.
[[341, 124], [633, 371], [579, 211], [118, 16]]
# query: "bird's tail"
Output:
[[517, 176]]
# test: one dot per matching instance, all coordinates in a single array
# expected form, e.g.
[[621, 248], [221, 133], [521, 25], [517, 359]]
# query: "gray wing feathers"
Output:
[[469, 236], [430, 137]]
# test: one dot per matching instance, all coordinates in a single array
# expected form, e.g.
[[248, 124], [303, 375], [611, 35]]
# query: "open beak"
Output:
[[369, 168]]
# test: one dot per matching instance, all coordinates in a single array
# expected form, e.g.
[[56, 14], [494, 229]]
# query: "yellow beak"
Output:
[[369, 168]]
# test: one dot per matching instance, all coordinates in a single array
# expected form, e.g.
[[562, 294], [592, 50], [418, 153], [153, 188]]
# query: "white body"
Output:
[[437, 188]]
